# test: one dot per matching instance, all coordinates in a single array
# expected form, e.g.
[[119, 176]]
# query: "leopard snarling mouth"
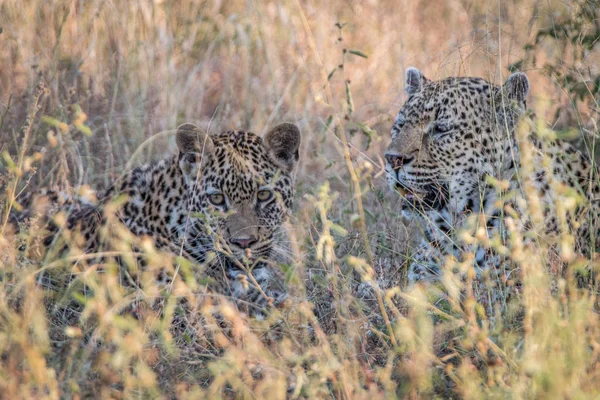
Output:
[[407, 193], [432, 196]]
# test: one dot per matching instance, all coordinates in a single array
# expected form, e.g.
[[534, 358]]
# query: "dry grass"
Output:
[[119, 76]]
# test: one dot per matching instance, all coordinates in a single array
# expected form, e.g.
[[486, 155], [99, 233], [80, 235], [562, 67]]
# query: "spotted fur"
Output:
[[449, 138], [170, 202]]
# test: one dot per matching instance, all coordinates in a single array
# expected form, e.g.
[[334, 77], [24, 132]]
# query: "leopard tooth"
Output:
[[403, 192]]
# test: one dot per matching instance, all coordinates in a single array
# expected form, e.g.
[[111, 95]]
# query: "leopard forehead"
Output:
[[240, 165], [451, 98]]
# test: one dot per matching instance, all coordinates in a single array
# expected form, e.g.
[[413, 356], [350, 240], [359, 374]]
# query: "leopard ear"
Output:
[[191, 139], [414, 80], [194, 146], [517, 87], [282, 143]]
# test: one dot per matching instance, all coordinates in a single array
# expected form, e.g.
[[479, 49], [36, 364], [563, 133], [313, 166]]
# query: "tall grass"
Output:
[[119, 76]]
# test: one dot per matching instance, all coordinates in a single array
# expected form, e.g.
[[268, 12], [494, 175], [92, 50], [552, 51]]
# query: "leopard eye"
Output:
[[264, 195], [216, 199], [441, 129]]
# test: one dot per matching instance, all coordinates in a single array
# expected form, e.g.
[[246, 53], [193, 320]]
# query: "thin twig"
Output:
[[353, 176], [26, 134]]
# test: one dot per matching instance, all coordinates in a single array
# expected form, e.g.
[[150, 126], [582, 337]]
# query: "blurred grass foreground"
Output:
[[90, 89]]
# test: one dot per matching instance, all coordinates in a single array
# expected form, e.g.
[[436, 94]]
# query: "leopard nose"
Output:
[[396, 160], [244, 242]]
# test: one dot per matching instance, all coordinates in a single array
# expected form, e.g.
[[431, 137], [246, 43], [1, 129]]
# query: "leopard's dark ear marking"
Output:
[[414, 80], [517, 87], [194, 146], [191, 139], [282, 143]]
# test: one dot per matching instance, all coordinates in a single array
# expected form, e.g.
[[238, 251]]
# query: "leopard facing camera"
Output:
[[221, 200]]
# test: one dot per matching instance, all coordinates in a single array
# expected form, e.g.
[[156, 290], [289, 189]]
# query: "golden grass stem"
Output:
[[26, 134], [351, 170]]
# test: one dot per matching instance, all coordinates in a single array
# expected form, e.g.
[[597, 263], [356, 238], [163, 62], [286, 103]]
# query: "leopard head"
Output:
[[243, 187], [449, 135]]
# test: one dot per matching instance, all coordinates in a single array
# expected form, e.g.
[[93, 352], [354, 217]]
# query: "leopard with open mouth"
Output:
[[449, 138]]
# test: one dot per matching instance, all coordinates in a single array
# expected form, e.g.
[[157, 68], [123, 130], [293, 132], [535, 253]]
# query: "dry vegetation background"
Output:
[[121, 75]]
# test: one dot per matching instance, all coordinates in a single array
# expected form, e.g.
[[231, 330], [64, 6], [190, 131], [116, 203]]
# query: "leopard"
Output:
[[220, 201], [456, 152]]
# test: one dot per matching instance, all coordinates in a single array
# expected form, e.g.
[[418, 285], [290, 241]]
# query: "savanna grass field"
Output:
[[91, 89]]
